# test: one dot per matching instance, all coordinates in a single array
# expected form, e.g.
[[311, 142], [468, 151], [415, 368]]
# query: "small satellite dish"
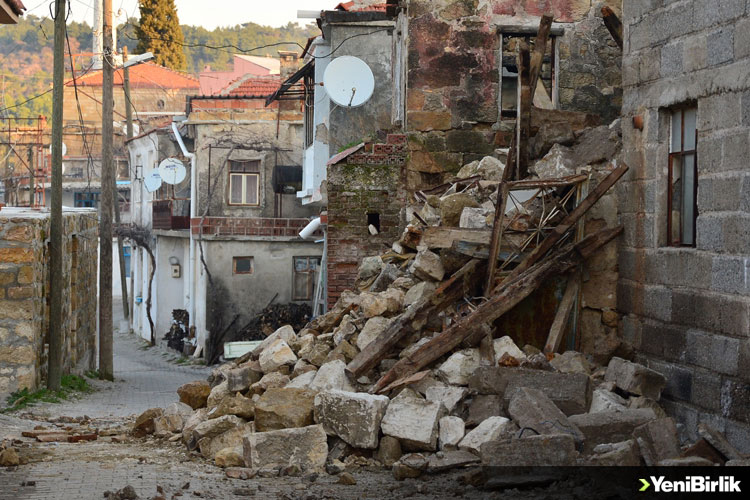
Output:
[[349, 81], [64, 149], [172, 171], [152, 180]]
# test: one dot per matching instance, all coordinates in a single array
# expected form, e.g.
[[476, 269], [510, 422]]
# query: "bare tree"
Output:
[[141, 238]]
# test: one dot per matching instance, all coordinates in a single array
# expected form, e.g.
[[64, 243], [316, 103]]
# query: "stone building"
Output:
[[24, 290], [684, 263]]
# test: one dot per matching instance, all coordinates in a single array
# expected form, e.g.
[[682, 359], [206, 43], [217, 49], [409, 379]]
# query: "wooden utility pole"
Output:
[[120, 249], [106, 356], [54, 356]]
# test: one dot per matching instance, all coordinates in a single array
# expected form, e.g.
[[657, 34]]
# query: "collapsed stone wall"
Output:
[[687, 309], [453, 76], [24, 294]]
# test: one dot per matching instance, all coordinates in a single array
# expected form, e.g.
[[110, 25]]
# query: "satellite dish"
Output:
[[152, 180], [349, 81], [64, 149], [172, 171]]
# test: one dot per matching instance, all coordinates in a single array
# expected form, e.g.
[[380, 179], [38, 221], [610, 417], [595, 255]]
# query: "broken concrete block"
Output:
[[421, 290], [240, 379], [610, 426], [234, 405], [452, 431], [492, 429], [389, 451], [144, 423], [269, 380], [457, 369], [449, 396], [316, 353], [209, 446], [571, 362], [635, 378], [332, 376], [212, 428], [275, 356], [558, 162], [372, 330], [571, 392], [624, 454], [413, 420], [450, 459], [305, 447], [230, 457], [640, 402], [353, 416], [657, 440], [474, 218], [302, 381], [532, 408], [491, 169], [602, 400], [428, 266], [452, 206], [484, 406], [194, 394], [505, 345], [555, 450], [281, 408], [718, 441], [424, 384], [285, 333]]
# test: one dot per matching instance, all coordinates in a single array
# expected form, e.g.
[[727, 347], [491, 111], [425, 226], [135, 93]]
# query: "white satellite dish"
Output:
[[152, 180], [172, 171], [64, 149], [349, 81]]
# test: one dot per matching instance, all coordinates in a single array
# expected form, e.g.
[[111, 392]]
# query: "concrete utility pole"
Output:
[[120, 249], [106, 357], [54, 358]]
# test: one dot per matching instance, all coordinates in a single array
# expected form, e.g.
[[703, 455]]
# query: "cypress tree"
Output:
[[159, 32]]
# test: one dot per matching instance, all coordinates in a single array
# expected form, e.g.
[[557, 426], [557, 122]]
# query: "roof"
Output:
[[17, 6], [251, 85], [345, 154], [353, 7], [148, 75], [270, 63]]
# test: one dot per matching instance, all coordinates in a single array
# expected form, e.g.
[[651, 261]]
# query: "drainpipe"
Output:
[[193, 210], [309, 229]]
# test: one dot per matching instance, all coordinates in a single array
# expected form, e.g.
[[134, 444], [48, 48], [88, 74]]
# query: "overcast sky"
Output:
[[208, 14]]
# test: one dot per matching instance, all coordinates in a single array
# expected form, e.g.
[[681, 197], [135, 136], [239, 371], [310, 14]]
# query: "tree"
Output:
[[159, 32]]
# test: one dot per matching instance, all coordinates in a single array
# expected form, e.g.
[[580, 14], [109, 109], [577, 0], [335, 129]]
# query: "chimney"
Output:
[[289, 63]]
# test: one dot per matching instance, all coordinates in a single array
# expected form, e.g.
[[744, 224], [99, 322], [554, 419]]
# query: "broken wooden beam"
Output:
[[498, 227], [560, 323], [415, 317], [540, 48], [613, 24], [568, 222], [524, 111], [505, 299]]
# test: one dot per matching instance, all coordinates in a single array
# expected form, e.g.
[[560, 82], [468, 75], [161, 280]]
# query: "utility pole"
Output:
[[106, 356], [54, 358], [120, 249]]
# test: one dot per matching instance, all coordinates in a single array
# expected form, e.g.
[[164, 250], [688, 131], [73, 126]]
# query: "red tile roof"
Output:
[[148, 75], [352, 7], [250, 85]]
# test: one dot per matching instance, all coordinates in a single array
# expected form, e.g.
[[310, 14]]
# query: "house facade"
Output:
[[683, 290]]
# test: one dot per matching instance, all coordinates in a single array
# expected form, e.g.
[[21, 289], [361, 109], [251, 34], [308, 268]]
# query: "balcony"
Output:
[[171, 214]]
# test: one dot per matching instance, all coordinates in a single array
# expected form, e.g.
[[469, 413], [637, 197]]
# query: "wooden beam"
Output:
[[524, 111], [498, 226], [415, 317], [557, 331], [506, 298], [613, 24], [568, 222], [540, 47]]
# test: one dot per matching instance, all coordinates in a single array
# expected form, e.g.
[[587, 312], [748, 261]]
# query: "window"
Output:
[[682, 205], [244, 182], [305, 277], [86, 200], [243, 265]]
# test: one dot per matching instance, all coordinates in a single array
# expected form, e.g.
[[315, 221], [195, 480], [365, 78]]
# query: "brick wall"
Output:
[[370, 181], [24, 290], [256, 226], [687, 310]]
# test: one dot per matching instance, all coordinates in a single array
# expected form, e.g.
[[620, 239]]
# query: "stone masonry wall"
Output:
[[687, 310], [370, 181], [24, 291], [453, 76]]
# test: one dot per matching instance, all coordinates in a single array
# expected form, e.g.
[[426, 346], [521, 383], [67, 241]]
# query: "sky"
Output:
[[195, 12]]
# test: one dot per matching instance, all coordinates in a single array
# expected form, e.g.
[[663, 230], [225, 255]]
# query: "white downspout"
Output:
[[193, 210]]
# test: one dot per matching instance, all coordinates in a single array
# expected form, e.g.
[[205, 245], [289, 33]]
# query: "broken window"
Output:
[[305, 277], [243, 265], [244, 182], [682, 204]]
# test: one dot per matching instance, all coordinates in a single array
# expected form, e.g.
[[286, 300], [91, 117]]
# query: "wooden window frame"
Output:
[[243, 173], [312, 275], [234, 265], [681, 154]]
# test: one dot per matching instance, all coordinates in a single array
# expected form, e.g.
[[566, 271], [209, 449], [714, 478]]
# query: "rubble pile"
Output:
[[271, 319], [408, 371]]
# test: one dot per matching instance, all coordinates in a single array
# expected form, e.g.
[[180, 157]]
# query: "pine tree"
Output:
[[159, 32]]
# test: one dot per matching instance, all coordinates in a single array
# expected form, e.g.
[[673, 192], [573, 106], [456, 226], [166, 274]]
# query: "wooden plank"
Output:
[[524, 111], [505, 299], [557, 330], [415, 317], [498, 226], [613, 24], [568, 222], [403, 382], [540, 47]]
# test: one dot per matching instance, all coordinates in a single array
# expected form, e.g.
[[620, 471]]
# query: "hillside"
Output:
[[26, 54]]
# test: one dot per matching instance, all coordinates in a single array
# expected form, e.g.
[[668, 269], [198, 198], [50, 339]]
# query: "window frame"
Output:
[[245, 273], [236, 171], [312, 277], [682, 154]]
